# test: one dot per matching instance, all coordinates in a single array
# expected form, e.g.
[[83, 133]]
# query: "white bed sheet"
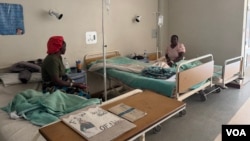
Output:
[[16, 130], [12, 78]]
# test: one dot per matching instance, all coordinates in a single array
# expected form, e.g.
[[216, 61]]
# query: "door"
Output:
[[246, 67]]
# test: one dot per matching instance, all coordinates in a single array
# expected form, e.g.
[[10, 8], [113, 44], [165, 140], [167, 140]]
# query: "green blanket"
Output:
[[41, 109]]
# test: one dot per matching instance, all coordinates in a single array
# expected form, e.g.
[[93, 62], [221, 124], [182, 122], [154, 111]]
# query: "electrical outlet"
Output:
[[91, 37]]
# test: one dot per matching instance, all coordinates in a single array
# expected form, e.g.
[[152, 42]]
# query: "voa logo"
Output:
[[236, 132]]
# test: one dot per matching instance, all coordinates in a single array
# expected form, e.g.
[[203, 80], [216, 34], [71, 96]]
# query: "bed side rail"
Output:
[[130, 93], [232, 69], [189, 78]]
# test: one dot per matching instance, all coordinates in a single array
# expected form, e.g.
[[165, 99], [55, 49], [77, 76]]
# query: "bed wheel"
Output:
[[218, 89], [157, 129], [182, 113], [203, 96]]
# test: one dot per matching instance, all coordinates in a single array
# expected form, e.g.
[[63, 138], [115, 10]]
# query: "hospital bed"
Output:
[[230, 71], [180, 86], [13, 128], [19, 129]]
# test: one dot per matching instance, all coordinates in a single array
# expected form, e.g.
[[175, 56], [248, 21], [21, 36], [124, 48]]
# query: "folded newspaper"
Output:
[[95, 123], [130, 113]]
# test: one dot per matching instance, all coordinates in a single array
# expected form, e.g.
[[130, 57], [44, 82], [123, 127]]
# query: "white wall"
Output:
[[204, 26], [208, 26], [164, 39], [39, 26], [80, 16], [123, 33]]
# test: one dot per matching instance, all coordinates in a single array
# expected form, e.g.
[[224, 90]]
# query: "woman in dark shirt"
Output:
[[53, 70]]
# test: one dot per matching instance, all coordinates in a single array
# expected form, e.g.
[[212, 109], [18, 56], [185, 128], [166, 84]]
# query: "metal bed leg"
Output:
[[142, 137], [38, 85], [182, 113], [213, 89], [157, 129]]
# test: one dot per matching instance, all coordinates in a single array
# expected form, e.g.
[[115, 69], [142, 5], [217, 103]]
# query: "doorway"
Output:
[[246, 42]]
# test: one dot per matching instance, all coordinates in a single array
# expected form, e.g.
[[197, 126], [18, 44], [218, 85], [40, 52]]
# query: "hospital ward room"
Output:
[[115, 70]]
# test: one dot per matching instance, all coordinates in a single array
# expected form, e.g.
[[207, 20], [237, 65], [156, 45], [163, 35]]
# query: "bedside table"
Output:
[[79, 77]]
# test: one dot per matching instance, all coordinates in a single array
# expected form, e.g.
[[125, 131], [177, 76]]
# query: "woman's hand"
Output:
[[170, 63], [80, 85]]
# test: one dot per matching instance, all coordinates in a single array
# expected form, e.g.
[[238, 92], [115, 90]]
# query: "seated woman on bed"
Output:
[[53, 70], [175, 52]]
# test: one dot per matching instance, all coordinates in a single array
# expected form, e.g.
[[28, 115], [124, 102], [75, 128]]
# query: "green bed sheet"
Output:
[[217, 71], [138, 81]]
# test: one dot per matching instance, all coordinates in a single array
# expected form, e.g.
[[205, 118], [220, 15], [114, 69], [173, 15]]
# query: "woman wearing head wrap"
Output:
[[53, 70]]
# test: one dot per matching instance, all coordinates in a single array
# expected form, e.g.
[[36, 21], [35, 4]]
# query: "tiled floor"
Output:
[[241, 117], [203, 119]]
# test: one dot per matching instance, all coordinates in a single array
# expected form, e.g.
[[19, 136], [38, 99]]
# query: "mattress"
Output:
[[13, 78], [141, 82], [19, 129], [217, 76]]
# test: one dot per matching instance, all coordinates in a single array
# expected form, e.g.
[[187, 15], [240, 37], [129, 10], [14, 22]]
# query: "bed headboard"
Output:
[[153, 56], [88, 58]]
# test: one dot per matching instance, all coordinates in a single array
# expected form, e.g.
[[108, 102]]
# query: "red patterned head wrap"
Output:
[[54, 44]]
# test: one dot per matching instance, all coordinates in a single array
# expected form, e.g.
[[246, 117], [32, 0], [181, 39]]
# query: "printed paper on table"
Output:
[[130, 113], [95, 123]]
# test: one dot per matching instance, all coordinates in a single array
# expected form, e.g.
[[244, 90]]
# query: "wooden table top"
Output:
[[155, 105]]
